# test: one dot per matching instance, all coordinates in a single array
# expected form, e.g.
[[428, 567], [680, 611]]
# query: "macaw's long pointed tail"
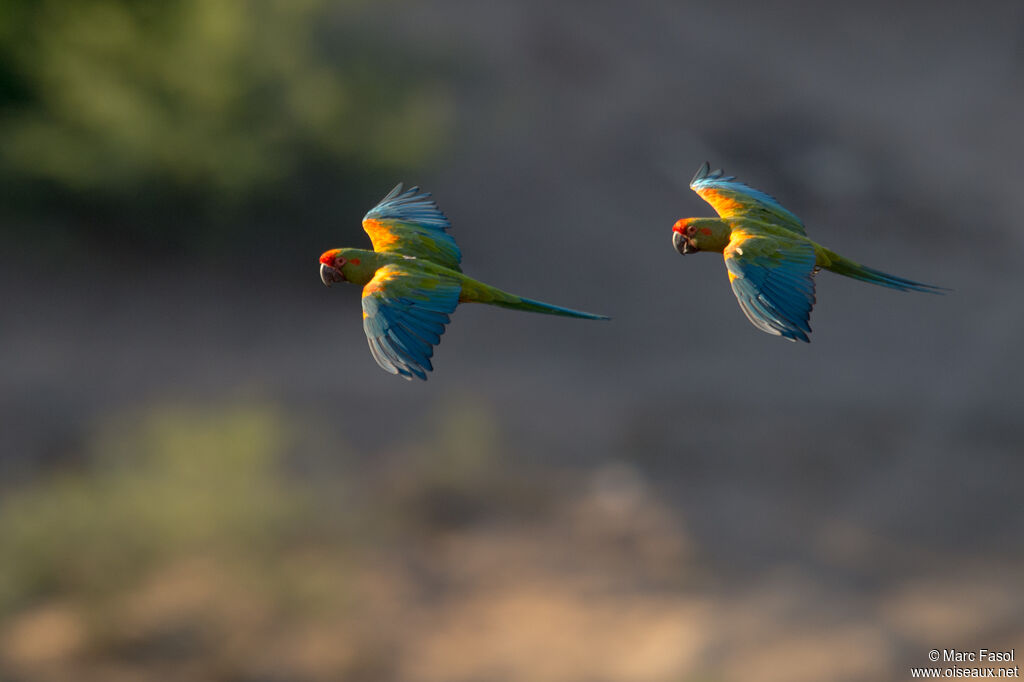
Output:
[[848, 268], [478, 292], [540, 307]]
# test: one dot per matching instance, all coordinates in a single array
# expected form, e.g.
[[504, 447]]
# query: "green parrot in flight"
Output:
[[770, 261], [412, 282]]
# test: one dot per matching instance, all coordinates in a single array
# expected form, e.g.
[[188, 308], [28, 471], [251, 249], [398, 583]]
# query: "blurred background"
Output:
[[204, 475]]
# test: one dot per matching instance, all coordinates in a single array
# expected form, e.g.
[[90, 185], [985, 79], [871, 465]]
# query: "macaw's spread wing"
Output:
[[404, 314], [732, 199], [772, 279], [410, 223]]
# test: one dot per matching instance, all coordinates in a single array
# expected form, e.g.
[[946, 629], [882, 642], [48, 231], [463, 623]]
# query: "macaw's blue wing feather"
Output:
[[773, 282], [732, 199], [410, 223], [404, 316]]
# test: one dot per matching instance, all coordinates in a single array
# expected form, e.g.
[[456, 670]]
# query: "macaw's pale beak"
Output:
[[330, 275], [681, 244]]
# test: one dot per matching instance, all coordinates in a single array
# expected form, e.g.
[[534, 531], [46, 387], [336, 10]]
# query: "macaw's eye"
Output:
[[339, 261], [691, 230]]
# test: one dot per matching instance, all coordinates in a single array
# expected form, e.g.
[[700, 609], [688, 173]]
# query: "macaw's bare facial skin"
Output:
[[330, 267], [329, 274]]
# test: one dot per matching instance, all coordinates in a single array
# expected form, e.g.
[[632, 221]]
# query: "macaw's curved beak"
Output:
[[681, 244], [330, 275]]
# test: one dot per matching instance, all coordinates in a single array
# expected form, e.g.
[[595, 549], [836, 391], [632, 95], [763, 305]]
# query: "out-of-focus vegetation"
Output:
[[161, 122], [243, 542], [242, 481], [171, 482], [229, 541], [234, 543]]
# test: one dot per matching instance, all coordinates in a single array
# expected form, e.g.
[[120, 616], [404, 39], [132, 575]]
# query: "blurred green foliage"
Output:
[[208, 542], [242, 483], [173, 481], [242, 541], [126, 110]]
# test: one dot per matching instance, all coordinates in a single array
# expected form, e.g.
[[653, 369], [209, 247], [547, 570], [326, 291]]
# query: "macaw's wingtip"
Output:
[[395, 191], [701, 173], [795, 335], [409, 374]]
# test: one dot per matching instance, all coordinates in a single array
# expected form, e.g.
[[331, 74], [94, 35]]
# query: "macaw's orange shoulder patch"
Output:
[[380, 281], [736, 242], [737, 237], [723, 204], [382, 234]]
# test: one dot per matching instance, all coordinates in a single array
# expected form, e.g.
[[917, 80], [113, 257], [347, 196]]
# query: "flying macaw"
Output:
[[770, 261], [412, 281]]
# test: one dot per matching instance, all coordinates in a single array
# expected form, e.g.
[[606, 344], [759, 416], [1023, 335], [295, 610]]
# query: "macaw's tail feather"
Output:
[[519, 303], [848, 268], [474, 291]]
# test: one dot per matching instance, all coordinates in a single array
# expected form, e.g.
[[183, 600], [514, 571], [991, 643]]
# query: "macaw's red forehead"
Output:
[[331, 258]]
